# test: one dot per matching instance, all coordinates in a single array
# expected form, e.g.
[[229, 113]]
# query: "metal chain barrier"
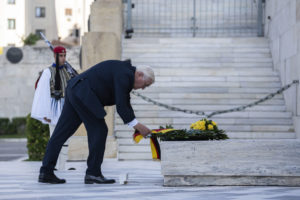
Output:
[[240, 108], [167, 106]]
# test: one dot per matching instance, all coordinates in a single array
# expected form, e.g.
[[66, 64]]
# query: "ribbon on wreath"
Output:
[[155, 148]]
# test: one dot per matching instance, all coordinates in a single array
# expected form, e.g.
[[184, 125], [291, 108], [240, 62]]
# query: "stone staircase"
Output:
[[206, 74]]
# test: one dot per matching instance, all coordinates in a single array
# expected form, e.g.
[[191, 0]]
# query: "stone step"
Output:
[[202, 59], [287, 132], [207, 95], [231, 135], [199, 65], [134, 156], [195, 50], [229, 126], [134, 148], [194, 45], [208, 108], [218, 41], [183, 40], [129, 44], [210, 72], [242, 114], [137, 100], [188, 83], [263, 69], [261, 135], [221, 121], [211, 90], [216, 33], [217, 55], [218, 51], [129, 141], [241, 80]]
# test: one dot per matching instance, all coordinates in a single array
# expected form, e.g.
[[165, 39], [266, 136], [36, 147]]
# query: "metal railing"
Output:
[[193, 18]]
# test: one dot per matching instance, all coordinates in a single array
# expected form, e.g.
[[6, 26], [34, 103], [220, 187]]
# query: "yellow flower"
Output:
[[202, 123], [202, 128], [193, 125]]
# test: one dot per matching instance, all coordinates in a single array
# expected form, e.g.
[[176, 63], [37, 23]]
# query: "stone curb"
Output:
[[14, 140]]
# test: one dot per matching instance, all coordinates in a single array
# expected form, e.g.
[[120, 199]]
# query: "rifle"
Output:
[[69, 68]]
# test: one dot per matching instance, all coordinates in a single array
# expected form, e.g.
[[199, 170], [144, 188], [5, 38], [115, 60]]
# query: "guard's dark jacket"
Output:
[[105, 84]]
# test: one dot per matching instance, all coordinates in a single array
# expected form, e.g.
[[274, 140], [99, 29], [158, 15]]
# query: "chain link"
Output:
[[240, 108]]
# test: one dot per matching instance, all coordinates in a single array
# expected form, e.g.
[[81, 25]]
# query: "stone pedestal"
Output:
[[231, 162], [102, 43]]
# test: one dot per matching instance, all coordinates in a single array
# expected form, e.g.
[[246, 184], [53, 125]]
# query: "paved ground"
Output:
[[12, 149], [18, 181]]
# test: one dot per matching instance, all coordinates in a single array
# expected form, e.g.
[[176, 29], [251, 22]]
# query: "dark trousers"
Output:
[[73, 114]]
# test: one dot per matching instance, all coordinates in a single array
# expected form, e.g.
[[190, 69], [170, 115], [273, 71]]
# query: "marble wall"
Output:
[[282, 27]]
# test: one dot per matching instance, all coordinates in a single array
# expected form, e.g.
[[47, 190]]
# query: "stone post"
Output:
[[107, 16], [102, 43]]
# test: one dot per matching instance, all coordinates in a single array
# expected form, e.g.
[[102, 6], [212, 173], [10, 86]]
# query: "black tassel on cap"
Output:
[[57, 85]]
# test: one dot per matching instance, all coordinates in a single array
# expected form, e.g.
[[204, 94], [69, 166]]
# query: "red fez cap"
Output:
[[59, 49]]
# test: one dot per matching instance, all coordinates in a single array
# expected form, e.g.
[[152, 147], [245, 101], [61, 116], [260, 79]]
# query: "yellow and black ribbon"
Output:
[[154, 144]]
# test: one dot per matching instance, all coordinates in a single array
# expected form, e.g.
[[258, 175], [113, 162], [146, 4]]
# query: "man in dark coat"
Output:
[[105, 84]]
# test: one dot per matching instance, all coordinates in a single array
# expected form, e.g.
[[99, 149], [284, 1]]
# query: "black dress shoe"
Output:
[[50, 178], [90, 179]]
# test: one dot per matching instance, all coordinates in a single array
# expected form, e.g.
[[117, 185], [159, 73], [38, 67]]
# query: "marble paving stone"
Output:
[[18, 181]]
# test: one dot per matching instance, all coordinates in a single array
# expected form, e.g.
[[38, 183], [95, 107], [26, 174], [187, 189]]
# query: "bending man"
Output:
[[105, 84]]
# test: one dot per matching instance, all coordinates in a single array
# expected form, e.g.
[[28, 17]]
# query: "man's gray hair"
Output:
[[148, 72]]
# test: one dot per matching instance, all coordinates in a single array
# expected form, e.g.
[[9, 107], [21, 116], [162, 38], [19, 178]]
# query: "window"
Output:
[[37, 31], [11, 24], [11, 1], [40, 12], [77, 32], [68, 12]]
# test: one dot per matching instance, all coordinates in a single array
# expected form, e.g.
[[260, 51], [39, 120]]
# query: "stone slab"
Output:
[[230, 181], [231, 162]]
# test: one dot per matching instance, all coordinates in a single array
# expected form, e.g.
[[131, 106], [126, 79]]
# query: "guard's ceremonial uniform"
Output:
[[46, 104]]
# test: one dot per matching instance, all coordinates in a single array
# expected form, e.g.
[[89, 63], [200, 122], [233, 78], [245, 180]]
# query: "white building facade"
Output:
[[57, 19], [41, 17], [72, 17], [12, 24]]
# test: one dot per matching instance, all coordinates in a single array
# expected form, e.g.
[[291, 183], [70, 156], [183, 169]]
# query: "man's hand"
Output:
[[144, 131], [47, 120]]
